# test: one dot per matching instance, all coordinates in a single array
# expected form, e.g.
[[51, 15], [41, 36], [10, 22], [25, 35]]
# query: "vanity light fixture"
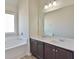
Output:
[[50, 5], [54, 3], [46, 7]]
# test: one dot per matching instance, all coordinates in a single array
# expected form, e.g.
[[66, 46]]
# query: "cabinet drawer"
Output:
[[49, 51], [63, 54]]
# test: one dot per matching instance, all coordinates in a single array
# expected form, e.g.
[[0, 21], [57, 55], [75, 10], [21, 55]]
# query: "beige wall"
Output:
[[36, 17], [60, 22], [33, 17], [23, 13], [10, 8], [11, 5]]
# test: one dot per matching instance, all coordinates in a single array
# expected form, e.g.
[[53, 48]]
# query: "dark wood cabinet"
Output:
[[37, 48], [40, 48], [54, 52], [49, 51], [43, 50], [33, 47], [63, 54]]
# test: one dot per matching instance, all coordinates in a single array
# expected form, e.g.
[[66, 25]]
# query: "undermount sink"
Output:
[[58, 40], [61, 40]]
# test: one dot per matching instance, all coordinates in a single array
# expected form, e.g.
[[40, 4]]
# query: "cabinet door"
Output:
[[33, 47], [40, 50], [63, 54], [49, 51]]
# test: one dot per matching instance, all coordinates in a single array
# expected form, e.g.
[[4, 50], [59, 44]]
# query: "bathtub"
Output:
[[14, 42], [15, 47]]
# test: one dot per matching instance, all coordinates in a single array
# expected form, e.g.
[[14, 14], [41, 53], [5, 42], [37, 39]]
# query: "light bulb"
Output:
[[54, 3], [45, 7], [50, 4]]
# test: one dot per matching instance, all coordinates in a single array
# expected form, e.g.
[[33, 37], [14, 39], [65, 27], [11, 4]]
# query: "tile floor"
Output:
[[28, 57]]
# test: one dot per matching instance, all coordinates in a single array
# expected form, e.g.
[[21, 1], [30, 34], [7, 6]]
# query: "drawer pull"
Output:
[[56, 50], [53, 49]]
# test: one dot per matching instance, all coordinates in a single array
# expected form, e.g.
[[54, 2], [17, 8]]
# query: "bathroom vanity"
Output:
[[46, 49]]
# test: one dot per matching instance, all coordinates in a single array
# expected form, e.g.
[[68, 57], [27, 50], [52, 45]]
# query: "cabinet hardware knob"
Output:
[[53, 49], [56, 50]]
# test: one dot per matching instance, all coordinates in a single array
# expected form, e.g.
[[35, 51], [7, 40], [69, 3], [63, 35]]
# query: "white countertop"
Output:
[[65, 43]]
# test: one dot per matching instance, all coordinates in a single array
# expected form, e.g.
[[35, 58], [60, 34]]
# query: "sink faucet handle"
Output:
[[53, 34]]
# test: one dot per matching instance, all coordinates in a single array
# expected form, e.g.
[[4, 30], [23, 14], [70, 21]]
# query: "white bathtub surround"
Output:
[[16, 53], [62, 42], [13, 43], [16, 47]]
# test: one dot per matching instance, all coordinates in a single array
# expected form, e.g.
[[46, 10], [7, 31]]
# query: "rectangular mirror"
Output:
[[60, 22]]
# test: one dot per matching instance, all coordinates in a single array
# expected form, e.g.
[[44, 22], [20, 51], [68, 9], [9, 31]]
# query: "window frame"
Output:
[[15, 23]]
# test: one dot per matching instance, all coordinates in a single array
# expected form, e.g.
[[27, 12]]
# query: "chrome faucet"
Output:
[[53, 35]]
